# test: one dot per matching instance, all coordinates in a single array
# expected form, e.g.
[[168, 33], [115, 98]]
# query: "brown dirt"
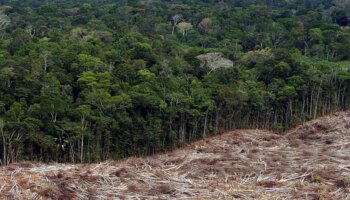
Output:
[[311, 161]]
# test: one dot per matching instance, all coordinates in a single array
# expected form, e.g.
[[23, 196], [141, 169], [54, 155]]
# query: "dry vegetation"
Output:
[[310, 162]]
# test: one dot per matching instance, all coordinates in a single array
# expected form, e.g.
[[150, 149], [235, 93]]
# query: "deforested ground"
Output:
[[311, 161]]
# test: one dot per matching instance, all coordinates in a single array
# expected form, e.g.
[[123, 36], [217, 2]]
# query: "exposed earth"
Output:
[[311, 161]]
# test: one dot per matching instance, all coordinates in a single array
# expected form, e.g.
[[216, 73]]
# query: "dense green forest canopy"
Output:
[[83, 81]]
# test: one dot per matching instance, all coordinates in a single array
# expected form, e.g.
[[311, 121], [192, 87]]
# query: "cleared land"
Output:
[[311, 161]]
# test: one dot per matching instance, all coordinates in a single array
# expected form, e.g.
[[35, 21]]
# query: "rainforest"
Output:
[[85, 81]]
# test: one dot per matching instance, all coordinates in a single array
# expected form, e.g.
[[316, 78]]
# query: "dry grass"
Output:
[[311, 161]]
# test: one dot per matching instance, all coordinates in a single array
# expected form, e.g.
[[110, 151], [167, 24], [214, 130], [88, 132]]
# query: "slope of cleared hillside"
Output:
[[311, 161]]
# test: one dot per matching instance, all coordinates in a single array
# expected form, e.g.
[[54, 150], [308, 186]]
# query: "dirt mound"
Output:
[[310, 162], [330, 125]]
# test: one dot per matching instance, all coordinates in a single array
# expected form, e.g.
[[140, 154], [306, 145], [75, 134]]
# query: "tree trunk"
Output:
[[216, 121], [82, 149], [205, 124], [317, 101], [4, 147]]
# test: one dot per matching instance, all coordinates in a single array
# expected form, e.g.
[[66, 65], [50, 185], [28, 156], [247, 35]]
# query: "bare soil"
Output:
[[311, 161]]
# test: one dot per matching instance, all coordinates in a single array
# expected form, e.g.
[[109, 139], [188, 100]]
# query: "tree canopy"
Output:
[[84, 81]]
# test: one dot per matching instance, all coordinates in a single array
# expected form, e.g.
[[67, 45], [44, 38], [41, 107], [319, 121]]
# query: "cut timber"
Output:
[[309, 162]]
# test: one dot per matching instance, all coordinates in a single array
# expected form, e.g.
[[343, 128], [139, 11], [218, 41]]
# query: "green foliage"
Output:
[[15, 114], [91, 80]]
